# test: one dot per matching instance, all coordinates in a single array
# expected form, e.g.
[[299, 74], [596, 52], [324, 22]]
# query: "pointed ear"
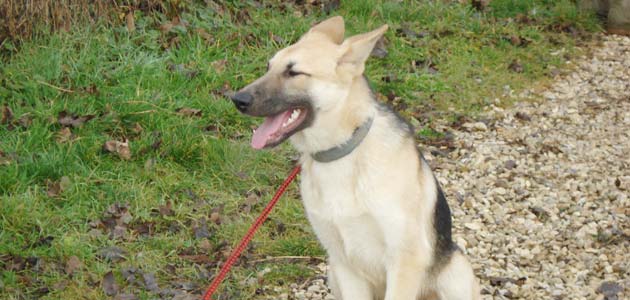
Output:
[[333, 28], [357, 49]]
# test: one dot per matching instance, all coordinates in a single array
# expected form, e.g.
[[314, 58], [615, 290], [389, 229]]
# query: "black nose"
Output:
[[242, 100]]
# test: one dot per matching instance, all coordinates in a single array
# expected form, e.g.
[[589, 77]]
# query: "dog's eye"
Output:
[[292, 73]]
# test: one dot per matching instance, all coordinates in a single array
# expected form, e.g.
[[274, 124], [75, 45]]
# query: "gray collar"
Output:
[[346, 148]]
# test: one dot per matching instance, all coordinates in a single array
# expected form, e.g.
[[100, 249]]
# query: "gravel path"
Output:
[[540, 191]]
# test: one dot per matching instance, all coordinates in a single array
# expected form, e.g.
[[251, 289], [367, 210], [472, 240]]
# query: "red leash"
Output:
[[250, 234]]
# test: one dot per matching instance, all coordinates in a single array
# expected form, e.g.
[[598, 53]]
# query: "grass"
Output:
[[204, 164]]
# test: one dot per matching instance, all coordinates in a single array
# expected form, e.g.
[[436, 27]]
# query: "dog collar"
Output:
[[346, 148]]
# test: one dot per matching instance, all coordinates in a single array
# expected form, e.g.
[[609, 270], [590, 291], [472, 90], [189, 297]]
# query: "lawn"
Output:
[[124, 170]]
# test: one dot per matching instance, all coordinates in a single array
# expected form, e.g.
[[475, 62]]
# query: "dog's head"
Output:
[[309, 77]]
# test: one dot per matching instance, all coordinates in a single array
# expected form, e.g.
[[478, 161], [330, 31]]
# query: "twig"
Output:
[[275, 258], [142, 112], [55, 87]]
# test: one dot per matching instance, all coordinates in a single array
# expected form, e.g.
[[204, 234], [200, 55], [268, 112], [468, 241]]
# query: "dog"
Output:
[[368, 193]]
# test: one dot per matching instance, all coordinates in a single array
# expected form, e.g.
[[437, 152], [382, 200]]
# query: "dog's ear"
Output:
[[333, 28], [357, 49]]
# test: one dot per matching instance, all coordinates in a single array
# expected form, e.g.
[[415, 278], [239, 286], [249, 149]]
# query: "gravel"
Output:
[[540, 191]]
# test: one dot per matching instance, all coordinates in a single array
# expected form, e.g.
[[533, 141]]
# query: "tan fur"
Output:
[[372, 209]]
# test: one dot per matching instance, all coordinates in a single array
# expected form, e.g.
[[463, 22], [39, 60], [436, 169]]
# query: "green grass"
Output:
[[126, 79]]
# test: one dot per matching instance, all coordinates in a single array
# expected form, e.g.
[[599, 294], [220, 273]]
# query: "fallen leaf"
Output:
[[125, 296], [166, 27], [406, 31], [215, 217], [148, 165], [110, 287], [144, 228], [137, 128], [330, 6], [201, 229], [43, 241], [150, 283], [112, 253], [25, 121], [92, 89], [72, 120], [189, 112], [7, 115], [540, 213], [499, 281], [198, 259], [219, 65], [119, 148], [64, 135], [187, 286], [118, 233], [205, 245], [54, 188], [73, 264], [59, 285], [379, 50], [480, 5], [129, 274], [131, 23], [279, 40], [157, 140], [205, 35], [522, 116], [166, 210], [516, 66]]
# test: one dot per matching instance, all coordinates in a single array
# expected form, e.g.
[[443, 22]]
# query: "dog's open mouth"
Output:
[[277, 128]]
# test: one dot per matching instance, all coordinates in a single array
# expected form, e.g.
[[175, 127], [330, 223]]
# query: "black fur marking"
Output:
[[442, 224]]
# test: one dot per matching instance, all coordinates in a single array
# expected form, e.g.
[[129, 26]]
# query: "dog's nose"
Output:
[[242, 100]]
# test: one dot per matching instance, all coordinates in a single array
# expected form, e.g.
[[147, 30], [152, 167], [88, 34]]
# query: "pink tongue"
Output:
[[268, 128]]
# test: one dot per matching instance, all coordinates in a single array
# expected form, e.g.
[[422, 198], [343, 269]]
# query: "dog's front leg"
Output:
[[405, 275], [346, 284]]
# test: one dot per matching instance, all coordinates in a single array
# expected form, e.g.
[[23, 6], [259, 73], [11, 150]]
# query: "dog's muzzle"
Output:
[[242, 100]]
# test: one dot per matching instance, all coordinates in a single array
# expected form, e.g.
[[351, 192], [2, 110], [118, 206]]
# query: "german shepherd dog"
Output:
[[370, 196]]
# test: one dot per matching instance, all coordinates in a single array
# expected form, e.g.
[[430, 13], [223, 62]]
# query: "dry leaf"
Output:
[[119, 148], [54, 189], [131, 23], [72, 265], [166, 210], [125, 296], [205, 245], [379, 50], [148, 165], [73, 120], [137, 129], [7, 115], [189, 112], [516, 66], [205, 35], [215, 217], [200, 230], [166, 27], [480, 5], [4, 159], [219, 65], [110, 287], [64, 135], [113, 254], [150, 283]]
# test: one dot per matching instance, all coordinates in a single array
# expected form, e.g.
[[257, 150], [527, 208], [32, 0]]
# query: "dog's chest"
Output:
[[336, 201]]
